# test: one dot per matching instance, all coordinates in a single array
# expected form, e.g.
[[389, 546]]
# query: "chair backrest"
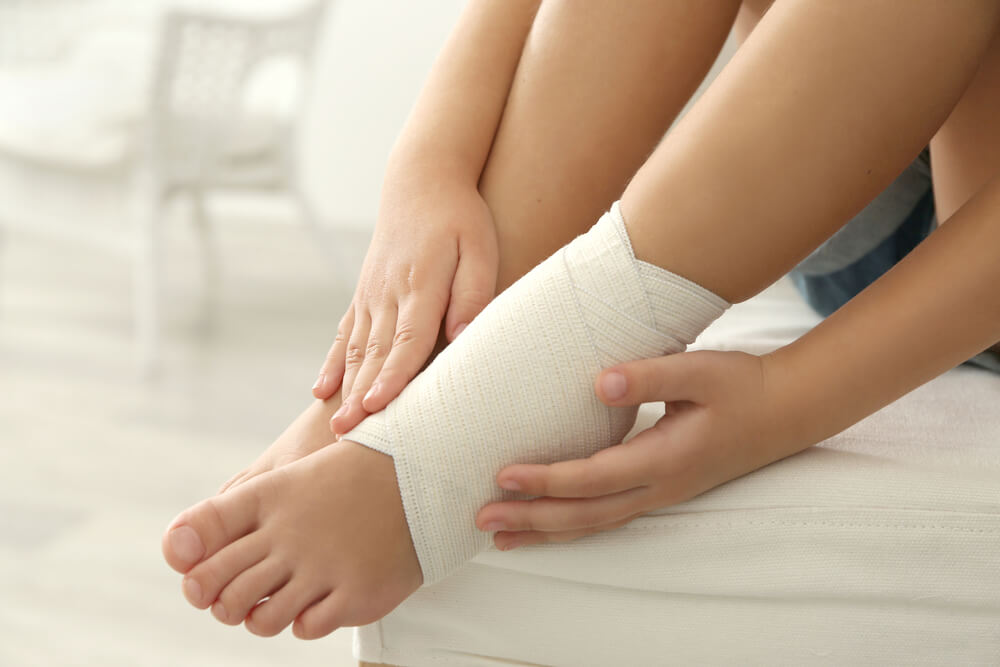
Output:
[[205, 62], [39, 31]]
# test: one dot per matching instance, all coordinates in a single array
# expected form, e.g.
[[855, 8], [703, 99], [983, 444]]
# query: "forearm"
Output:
[[456, 115], [934, 310]]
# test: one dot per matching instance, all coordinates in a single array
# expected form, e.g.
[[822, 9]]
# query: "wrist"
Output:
[[798, 412], [430, 161], [812, 388]]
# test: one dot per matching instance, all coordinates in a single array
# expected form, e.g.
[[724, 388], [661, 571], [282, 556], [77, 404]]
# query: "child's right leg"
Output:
[[543, 168]]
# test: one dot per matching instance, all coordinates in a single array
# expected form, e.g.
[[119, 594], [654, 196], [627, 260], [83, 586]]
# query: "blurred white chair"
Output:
[[201, 127], [36, 30]]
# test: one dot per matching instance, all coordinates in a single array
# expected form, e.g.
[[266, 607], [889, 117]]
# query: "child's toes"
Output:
[[208, 526], [206, 579], [248, 588], [274, 614], [321, 618]]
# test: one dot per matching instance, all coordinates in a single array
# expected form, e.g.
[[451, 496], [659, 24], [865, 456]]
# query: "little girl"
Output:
[[538, 119]]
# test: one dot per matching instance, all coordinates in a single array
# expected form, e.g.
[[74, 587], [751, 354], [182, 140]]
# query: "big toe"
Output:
[[205, 528], [182, 547]]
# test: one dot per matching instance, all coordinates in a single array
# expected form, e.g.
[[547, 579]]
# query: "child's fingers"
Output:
[[474, 285], [332, 371], [561, 514], [380, 342], [684, 376], [354, 353], [416, 333], [376, 350], [611, 470], [511, 540]]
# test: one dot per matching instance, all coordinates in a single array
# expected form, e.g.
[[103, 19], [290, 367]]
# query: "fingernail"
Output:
[[511, 545], [510, 485], [339, 413], [613, 385], [220, 612], [494, 526], [320, 380], [372, 392], [459, 329], [192, 590], [186, 544]]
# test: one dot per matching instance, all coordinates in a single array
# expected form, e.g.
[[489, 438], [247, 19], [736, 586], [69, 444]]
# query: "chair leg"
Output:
[[147, 277], [209, 260], [3, 249]]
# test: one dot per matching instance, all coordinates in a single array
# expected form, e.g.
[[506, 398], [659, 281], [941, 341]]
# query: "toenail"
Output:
[[192, 590], [186, 544], [493, 526]]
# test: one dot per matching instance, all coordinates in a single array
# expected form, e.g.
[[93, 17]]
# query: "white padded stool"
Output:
[[878, 546]]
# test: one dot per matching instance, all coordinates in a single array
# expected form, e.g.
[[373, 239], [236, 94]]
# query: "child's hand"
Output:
[[722, 421], [434, 249]]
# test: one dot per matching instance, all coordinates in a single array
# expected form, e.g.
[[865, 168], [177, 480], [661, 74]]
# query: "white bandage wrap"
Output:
[[518, 385]]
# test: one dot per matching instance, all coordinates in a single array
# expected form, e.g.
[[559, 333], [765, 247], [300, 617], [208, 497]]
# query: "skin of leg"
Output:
[[309, 432], [580, 121], [965, 152], [835, 99], [209, 542]]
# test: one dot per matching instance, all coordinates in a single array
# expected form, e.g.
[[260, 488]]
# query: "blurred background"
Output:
[[187, 190]]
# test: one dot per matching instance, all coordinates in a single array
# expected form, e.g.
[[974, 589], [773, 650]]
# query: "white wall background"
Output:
[[372, 63], [375, 56]]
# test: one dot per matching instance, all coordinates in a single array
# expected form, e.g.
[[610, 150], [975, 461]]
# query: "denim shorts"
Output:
[[871, 243]]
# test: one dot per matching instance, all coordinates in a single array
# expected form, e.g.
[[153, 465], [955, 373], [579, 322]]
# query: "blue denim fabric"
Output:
[[872, 243]]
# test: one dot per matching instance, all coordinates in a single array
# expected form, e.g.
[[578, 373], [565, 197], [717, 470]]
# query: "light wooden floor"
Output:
[[94, 462]]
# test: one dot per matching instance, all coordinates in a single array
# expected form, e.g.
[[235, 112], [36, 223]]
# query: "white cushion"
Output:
[[880, 545]]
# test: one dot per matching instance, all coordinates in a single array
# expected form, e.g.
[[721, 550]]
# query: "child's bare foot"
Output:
[[305, 435], [324, 539]]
